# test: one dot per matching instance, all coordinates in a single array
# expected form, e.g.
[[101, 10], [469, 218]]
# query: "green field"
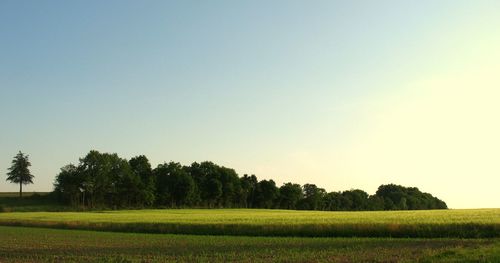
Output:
[[476, 223], [19, 244], [31, 201], [25, 194], [251, 235]]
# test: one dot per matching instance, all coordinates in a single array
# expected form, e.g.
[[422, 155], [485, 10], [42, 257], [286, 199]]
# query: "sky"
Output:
[[342, 94]]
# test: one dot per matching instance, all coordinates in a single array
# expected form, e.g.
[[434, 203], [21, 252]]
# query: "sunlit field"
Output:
[[475, 223]]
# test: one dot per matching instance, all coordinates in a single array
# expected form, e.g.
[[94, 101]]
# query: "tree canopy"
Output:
[[106, 180], [19, 172]]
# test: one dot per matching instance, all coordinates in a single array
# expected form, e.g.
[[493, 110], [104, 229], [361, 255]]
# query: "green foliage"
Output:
[[142, 168], [313, 197], [290, 195], [266, 194], [397, 197], [100, 179], [248, 190], [231, 188], [175, 187], [19, 172], [103, 180], [69, 185]]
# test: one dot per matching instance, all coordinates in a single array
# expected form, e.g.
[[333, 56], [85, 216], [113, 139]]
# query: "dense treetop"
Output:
[[106, 180]]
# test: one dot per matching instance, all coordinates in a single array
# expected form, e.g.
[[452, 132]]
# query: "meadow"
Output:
[[31, 201], [20, 244], [473, 223], [25, 194]]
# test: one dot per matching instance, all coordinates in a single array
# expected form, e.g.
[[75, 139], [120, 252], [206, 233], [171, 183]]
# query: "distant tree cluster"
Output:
[[106, 180]]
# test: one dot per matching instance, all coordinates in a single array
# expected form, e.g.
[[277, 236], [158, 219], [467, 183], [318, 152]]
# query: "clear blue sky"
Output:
[[344, 94]]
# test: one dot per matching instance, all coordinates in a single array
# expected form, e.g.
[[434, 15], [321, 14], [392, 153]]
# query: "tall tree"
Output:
[[69, 185], [290, 195], [175, 186], [231, 187], [266, 194], [207, 177], [19, 172], [248, 188], [313, 196], [141, 167], [359, 199]]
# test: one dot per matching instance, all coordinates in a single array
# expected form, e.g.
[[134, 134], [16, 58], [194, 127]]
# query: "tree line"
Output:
[[106, 180]]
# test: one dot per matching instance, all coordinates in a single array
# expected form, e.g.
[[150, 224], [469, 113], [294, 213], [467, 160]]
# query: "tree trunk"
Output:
[[21, 189]]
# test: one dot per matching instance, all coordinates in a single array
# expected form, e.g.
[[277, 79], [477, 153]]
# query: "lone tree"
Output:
[[19, 172]]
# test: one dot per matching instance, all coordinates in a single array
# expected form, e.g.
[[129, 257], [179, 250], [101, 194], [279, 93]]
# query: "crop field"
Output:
[[20, 244], [476, 223]]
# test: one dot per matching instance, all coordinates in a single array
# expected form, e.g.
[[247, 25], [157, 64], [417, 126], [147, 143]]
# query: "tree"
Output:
[[359, 199], [332, 201], [213, 191], [208, 185], [313, 196], [266, 194], [104, 180], [126, 187], [397, 197], [101, 180], [175, 186], [290, 195], [19, 172], [231, 187], [375, 202], [141, 167], [69, 185], [248, 186]]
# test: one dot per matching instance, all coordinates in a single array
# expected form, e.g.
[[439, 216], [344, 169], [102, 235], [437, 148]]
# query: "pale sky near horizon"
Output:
[[343, 94]]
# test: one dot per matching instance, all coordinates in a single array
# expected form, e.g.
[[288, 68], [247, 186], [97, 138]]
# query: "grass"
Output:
[[31, 201], [474, 223], [19, 244], [25, 194]]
